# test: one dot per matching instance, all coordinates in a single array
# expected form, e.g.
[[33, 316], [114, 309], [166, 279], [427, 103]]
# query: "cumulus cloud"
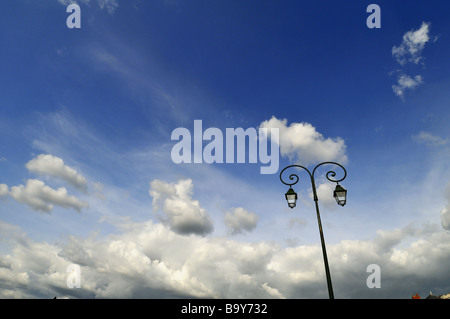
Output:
[[149, 260], [325, 194], [4, 190], [179, 211], [413, 43], [274, 293], [445, 217], [46, 164], [303, 142], [42, 198], [405, 82], [445, 212], [239, 220]]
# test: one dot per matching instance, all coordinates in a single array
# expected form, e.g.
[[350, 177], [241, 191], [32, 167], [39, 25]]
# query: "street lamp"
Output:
[[291, 197], [340, 194]]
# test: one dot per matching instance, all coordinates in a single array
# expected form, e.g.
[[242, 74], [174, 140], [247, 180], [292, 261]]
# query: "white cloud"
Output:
[[239, 220], [41, 197], [46, 164], [429, 139], [303, 141], [410, 50], [4, 190], [412, 45], [405, 82], [180, 212], [148, 260], [445, 212], [108, 5], [325, 195], [445, 217], [274, 293]]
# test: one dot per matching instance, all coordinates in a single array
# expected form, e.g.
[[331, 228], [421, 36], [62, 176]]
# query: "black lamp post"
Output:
[[340, 194]]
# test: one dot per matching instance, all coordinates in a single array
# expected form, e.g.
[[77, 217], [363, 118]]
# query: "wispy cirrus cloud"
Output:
[[429, 139], [108, 5]]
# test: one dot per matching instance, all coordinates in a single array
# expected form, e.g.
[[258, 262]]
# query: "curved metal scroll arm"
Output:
[[330, 174], [293, 177]]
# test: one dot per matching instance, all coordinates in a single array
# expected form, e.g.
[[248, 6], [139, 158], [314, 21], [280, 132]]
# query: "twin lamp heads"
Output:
[[340, 194]]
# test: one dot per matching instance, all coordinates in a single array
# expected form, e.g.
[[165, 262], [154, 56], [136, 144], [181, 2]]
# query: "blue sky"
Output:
[[86, 174]]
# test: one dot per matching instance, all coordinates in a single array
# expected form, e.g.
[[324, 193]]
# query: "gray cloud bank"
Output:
[[149, 260]]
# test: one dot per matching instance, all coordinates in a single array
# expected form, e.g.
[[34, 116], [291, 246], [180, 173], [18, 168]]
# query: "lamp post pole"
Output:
[[341, 201]]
